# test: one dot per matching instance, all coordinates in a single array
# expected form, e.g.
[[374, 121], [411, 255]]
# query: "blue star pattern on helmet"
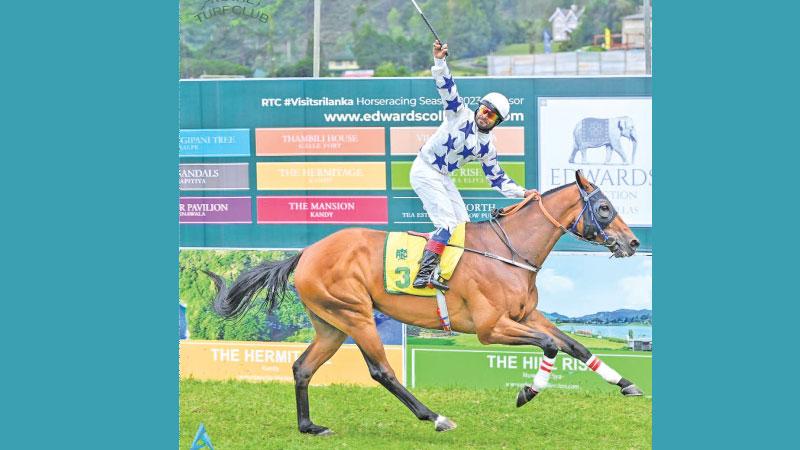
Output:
[[450, 144], [466, 152], [484, 150], [452, 166], [439, 161], [448, 84], [467, 130], [453, 105], [498, 182]]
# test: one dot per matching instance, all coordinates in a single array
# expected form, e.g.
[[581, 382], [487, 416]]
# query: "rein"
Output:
[[501, 233], [532, 267], [536, 196]]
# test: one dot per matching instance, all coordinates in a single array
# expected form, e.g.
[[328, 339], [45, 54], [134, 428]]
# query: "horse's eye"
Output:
[[604, 211]]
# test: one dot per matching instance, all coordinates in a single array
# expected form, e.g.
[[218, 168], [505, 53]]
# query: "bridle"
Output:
[[593, 223]]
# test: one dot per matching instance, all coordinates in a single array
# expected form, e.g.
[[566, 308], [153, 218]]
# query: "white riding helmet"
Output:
[[499, 103]]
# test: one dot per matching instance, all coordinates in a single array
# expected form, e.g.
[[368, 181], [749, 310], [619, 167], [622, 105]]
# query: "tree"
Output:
[[372, 48], [305, 66], [389, 69], [475, 27], [239, 39], [302, 68], [193, 68], [598, 15]]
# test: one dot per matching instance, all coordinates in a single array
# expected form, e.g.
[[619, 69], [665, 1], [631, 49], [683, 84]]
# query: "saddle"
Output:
[[402, 252]]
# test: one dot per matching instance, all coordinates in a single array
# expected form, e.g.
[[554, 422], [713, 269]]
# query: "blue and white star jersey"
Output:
[[458, 141]]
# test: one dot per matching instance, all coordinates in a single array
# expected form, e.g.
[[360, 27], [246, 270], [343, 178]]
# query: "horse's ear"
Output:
[[582, 181]]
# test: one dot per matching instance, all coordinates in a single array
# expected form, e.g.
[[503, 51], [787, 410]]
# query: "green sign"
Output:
[[470, 177], [501, 366]]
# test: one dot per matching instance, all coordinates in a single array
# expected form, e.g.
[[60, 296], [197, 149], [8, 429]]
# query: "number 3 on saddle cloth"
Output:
[[402, 253]]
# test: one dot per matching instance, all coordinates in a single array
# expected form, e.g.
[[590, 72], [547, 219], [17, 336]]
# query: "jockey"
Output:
[[464, 136]]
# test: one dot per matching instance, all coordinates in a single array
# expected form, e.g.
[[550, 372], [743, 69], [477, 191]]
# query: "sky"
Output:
[[575, 284]]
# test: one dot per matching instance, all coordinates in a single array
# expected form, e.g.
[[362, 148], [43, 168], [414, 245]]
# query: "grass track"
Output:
[[240, 415]]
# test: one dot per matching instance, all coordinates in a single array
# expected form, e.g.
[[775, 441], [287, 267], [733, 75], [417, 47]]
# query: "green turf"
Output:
[[240, 415]]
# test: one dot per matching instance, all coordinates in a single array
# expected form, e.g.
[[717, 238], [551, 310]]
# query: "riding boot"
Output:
[[427, 275]]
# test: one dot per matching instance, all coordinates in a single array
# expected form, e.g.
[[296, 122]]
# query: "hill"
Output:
[[274, 38], [606, 317]]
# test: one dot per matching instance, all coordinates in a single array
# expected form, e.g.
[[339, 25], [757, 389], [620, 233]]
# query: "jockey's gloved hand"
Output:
[[439, 49]]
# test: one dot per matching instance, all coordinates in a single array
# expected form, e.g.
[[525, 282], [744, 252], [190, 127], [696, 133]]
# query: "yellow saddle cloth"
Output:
[[402, 253]]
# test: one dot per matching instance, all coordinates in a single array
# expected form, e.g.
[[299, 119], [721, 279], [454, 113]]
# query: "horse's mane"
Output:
[[556, 189], [551, 191]]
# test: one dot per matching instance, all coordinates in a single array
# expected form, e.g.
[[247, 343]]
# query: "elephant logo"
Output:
[[594, 133]]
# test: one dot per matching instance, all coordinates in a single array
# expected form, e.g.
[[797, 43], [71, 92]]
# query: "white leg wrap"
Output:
[[602, 369], [543, 374]]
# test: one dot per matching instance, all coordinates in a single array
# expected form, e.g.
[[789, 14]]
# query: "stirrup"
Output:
[[434, 279], [432, 282], [436, 284]]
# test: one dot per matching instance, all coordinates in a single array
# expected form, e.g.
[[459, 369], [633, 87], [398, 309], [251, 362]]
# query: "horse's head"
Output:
[[599, 222]]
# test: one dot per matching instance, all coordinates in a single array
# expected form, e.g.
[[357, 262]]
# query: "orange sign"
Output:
[[272, 361], [301, 176], [408, 140], [320, 141]]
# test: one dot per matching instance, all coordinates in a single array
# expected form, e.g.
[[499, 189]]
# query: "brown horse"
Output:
[[340, 281]]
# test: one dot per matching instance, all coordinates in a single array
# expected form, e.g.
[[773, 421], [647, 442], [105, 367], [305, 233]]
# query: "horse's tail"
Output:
[[270, 275]]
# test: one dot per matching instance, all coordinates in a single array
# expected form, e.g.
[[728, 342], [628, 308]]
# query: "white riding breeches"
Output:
[[439, 195]]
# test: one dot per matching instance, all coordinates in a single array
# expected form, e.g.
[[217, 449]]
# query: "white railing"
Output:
[[617, 62]]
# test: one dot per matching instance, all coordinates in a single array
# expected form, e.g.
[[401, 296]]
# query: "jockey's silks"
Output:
[[458, 141]]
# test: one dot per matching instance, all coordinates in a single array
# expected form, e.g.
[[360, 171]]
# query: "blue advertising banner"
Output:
[[345, 137]]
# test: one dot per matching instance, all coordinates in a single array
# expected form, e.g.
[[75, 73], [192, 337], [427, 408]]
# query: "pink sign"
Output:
[[408, 140], [349, 209]]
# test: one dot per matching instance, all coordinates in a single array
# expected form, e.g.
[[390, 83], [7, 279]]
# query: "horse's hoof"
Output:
[[444, 424], [525, 395], [631, 391], [316, 430]]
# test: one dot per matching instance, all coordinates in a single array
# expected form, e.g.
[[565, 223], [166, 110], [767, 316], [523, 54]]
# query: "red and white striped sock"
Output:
[[602, 369], [543, 374]]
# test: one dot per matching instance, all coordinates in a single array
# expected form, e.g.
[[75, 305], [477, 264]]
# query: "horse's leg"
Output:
[[369, 342], [508, 332], [581, 353], [326, 341]]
